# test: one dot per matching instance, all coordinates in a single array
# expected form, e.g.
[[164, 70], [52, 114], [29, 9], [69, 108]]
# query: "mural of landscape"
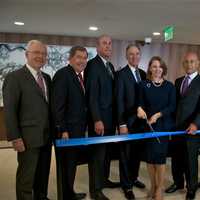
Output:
[[12, 57]]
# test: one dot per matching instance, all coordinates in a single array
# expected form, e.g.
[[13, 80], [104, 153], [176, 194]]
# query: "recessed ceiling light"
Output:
[[19, 23], [93, 28], [156, 33]]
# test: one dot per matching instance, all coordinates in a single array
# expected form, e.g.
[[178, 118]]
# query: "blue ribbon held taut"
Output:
[[114, 138]]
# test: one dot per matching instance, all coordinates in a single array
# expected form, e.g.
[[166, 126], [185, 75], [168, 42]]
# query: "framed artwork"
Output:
[[12, 57]]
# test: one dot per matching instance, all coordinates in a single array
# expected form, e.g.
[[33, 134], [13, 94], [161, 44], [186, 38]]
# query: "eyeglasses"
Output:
[[38, 53], [186, 62]]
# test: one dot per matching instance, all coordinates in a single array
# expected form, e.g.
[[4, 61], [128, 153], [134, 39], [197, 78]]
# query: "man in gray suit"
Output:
[[26, 94]]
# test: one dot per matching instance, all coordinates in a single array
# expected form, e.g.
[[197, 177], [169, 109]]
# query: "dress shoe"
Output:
[[79, 196], [190, 195], [98, 196], [173, 188], [129, 194], [198, 184], [110, 184], [138, 184]]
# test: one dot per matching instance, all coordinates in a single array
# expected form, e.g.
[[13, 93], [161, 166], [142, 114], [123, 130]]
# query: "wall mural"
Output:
[[12, 57]]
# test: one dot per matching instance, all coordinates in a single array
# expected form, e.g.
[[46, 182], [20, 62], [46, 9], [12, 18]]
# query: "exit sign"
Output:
[[168, 33]]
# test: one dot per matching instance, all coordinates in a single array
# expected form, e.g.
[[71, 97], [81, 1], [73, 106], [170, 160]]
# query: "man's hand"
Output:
[[154, 118], [123, 130], [18, 145], [99, 127], [65, 135], [141, 113], [191, 130]]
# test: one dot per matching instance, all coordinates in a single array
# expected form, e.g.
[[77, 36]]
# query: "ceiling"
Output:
[[122, 19]]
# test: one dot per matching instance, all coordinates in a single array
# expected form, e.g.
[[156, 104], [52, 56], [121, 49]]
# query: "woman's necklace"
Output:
[[157, 84]]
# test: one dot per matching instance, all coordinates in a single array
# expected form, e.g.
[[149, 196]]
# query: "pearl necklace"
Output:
[[156, 84]]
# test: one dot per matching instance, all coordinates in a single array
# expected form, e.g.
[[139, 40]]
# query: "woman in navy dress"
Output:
[[157, 102]]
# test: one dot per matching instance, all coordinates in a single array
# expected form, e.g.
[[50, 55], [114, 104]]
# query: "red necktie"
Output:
[[80, 78]]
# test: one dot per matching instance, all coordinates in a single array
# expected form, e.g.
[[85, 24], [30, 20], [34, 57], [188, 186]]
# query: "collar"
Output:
[[133, 68], [193, 75], [103, 59], [32, 70]]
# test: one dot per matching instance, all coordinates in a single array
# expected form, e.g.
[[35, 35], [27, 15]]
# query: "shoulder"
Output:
[[169, 84], [120, 73], [198, 77], [16, 74], [145, 84], [178, 80], [94, 61], [47, 76], [61, 73], [94, 66], [124, 70], [63, 70], [142, 71]]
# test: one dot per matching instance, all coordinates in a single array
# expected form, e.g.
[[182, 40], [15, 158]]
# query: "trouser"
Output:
[[33, 173]]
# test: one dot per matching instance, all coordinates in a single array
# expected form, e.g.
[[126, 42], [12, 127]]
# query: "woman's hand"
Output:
[[141, 113], [154, 118], [123, 130], [65, 135]]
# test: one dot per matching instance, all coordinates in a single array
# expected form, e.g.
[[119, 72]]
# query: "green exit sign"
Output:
[[168, 33]]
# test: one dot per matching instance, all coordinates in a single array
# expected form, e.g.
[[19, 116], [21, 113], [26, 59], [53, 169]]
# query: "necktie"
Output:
[[185, 85], [80, 78], [109, 70], [137, 74], [41, 82]]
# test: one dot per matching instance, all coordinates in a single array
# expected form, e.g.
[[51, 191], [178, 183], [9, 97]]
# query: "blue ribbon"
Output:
[[114, 138]]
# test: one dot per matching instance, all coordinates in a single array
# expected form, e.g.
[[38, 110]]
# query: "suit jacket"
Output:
[[188, 106], [127, 96], [100, 92], [27, 112], [68, 103]]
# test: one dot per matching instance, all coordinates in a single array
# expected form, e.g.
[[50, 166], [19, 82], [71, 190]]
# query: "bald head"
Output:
[[104, 46], [36, 54], [191, 62]]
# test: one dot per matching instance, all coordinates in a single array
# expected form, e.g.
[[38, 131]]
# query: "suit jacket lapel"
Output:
[[130, 74], [190, 87], [179, 85], [193, 84], [101, 63], [31, 80], [75, 79]]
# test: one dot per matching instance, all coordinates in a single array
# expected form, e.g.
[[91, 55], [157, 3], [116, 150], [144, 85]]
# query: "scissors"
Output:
[[152, 130]]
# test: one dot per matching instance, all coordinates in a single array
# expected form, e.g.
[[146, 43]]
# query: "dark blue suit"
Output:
[[100, 98], [69, 109], [127, 101]]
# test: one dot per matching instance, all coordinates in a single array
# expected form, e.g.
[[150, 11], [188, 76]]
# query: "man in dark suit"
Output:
[[185, 154], [127, 93], [27, 113], [69, 108], [99, 77]]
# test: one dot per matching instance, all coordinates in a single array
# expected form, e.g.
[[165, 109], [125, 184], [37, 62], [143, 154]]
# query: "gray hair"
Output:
[[31, 42], [133, 45]]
